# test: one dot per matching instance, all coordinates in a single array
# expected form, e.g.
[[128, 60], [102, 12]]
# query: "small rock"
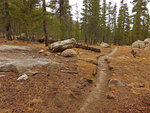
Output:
[[110, 95], [41, 51], [47, 53], [31, 73], [58, 54], [35, 101], [81, 53], [115, 83], [141, 85], [69, 53], [105, 45], [23, 77]]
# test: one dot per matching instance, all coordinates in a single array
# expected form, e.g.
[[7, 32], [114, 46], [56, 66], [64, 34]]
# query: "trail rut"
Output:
[[97, 96]]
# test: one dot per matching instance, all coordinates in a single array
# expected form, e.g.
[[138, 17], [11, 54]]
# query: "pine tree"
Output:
[[6, 17], [91, 22], [110, 21], [140, 11], [77, 26], [85, 16], [123, 32], [65, 17], [128, 39], [114, 20], [103, 20], [53, 6], [45, 23], [94, 20]]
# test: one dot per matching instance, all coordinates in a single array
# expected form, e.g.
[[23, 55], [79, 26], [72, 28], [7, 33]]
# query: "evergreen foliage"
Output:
[[100, 21]]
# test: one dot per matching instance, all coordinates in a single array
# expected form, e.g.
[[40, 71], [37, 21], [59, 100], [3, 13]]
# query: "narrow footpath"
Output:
[[96, 98]]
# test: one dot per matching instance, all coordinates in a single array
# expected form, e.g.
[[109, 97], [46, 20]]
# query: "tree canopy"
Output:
[[100, 21]]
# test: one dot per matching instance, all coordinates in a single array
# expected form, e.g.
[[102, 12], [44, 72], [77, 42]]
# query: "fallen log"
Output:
[[50, 41], [88, 48]]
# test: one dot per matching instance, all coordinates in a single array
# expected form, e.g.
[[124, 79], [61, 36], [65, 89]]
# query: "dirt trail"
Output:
[[96, 98]]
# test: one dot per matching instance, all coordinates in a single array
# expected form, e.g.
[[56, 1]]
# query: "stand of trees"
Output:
[[109, 28], [99, 21]]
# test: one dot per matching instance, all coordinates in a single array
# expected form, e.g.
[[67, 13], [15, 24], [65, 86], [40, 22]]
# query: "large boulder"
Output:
[[105, 45], [23, 65], [69, 53], [62, 45], [13, 47], [2, 76], [139, 44]]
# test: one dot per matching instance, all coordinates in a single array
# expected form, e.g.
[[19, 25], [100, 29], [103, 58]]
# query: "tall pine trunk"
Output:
[[8, 25], [61, 9], [45, 23]]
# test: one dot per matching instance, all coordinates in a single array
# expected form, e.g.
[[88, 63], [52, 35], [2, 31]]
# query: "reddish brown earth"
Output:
[[135, 74], [65, 90]]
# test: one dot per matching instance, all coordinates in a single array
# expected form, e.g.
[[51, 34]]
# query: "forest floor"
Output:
[[69, 89]]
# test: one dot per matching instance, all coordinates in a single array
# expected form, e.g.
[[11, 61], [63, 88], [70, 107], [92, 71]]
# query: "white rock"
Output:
[[105, 45], [23, 77], [41, 51]]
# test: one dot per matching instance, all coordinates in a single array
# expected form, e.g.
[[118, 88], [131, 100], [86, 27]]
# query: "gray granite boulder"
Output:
[[69, 53], [62, 45]]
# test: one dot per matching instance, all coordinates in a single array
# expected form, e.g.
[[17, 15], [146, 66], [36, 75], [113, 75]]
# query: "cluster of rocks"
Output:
[[142, 44], [65, 47]]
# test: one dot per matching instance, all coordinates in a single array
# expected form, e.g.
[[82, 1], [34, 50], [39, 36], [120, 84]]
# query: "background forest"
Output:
[[100, 21]]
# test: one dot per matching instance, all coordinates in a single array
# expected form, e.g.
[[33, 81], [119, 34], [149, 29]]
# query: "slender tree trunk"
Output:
[[85, 37], [45, 24], [61, 10], [96, 38], [8, 25], [85, 34]]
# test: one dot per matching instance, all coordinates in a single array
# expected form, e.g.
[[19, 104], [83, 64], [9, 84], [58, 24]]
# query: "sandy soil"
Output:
[[50, 91], [135, 74], [66, 90]]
